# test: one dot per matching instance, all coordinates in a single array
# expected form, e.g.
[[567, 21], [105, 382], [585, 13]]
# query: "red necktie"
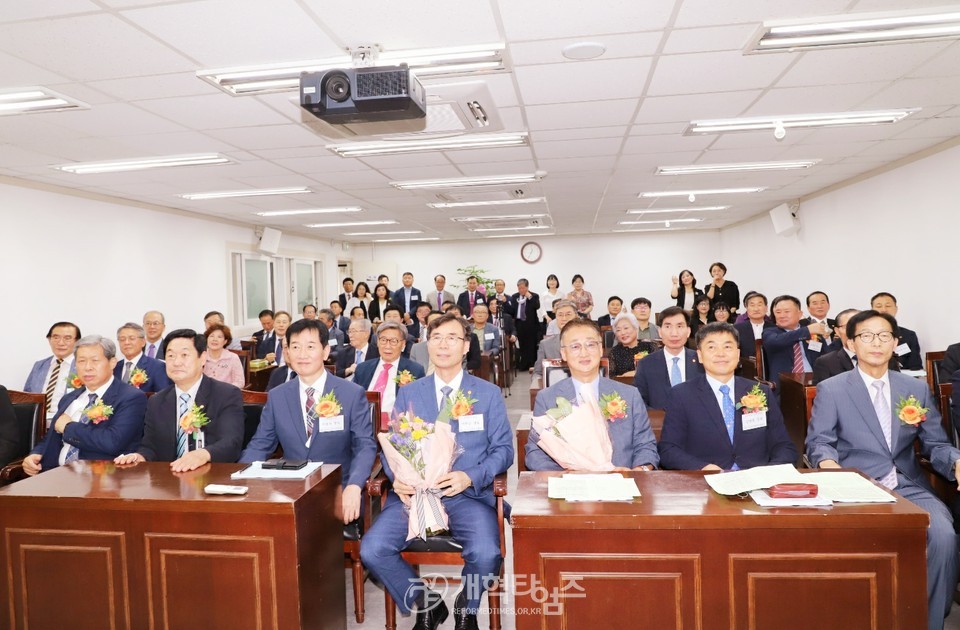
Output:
[[471, 304], [797, 358], [381, 383]]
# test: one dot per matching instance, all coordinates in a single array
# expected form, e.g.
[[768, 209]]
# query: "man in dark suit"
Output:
[[842, 359], [407, 297], [505, 300], [49, 376], [484, 434], [755, 323], [344, 297], [340, 321], [358, 350], [860, 421], [950, 363], [418, 329], [659, 372], [266, 320], [318, 417], [281, 374], [154, 324], [614, 305], [380, 374], [335, 335], [135, 367], [791, 347], [164, 439], [528, 326], [393, 314], [818, 305], [10, 447], [704, 429], [100, 420], [907, 349], [503, 321], [471, 297]]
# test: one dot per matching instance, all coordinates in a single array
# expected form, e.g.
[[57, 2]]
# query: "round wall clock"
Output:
[[531, 252]]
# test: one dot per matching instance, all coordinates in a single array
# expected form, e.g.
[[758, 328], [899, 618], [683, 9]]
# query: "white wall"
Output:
[[101, 264]]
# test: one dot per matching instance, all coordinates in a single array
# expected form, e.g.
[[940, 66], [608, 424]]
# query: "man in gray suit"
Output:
[[566, 311], [859, 421], [436, 298], [634, 445]]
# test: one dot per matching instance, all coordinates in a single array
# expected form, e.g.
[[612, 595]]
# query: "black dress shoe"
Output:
[[432, 613], [462, 619]]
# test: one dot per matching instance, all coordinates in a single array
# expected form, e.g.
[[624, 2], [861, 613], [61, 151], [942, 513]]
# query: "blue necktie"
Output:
[[675, 377], [359, 357], [729, 411], [73, 453], [181, 435]]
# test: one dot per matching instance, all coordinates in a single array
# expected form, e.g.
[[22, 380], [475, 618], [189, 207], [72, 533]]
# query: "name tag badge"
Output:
[[756, 420], [332, 341], [471, 423], [414, 296], [328, 425], [488, 336], [902, 349], [816, 346]]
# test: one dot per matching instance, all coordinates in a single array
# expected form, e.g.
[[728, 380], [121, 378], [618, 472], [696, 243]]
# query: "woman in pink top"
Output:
[[582, 299], [221, 364]]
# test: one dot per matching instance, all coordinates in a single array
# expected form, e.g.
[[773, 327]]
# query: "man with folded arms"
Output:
[[673, 364], [131, 338], [581, 346], [100, 420], [318, 417], [486, 438], [869, 419], [164, 439], [716, 421], [49, 376]]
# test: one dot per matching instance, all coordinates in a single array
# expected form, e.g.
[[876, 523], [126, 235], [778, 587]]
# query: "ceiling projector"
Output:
[[357, 95]]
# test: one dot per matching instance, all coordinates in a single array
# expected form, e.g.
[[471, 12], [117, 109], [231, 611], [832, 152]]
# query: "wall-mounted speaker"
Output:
[[269, 241], [784, 217]]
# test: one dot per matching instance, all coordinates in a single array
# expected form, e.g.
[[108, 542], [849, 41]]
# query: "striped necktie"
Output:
[[52, 385], [182, 447]]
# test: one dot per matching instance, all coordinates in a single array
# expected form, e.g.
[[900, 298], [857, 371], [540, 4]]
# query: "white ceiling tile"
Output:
[[16, 11], [578, 134], [36, 129], [508, 154], [723, 71], [917, 92], [860, 64], [601, 164], [498, 168], [761, 139], [863, 133], [548, 19], [88, 149], [176, 143], [617, 46], [581, 115], [11, 155], [321, 161], [591, 147], [422, 172], [668, 109], [19, 73], [691, 40], [501, 88], [814, 99], [214, 111], [727, 156], [90, 47], [268, 137], [352, 180], [944, 64], [82, 92], [380, 162], [114, 119], [666, 143], [161, 86], [585, 80], [658, 129], [709, 12], [947, 127], [899, 148]]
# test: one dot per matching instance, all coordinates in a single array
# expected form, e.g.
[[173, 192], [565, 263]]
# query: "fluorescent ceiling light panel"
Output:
[[794, 121], [663, 229], [426, 63], [668, 210], [290, 213], [515, 235], [252, 192], [658, 222], [383, 233], [469, 182], [35, 99], [513, 229], [350, 224], [705, 191], [405, 240], [855, 30], [699, 169], [119, 166], [493, 202], [422, 145], [497, 217]]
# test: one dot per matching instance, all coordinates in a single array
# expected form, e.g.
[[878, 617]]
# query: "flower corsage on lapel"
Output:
[[192, 423], [640, 355], [328, 406], [910, 412], [460, 404], [138, 377], [99, 412], [613, 407], [404, 378], [74, 381], [753, 401]]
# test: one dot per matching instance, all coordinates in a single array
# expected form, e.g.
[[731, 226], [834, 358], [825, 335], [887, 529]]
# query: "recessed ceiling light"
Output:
[[513, 229], [583, 50], [290, 213], [281, 77], [383, 233], [350, 224], [658, 222], [855, 30], [497, 217], [694, 193], [697, 169], [668, 210], [470, 182], [420, 145], [119, 166], [794, 121], [492, 202], [405, 240], [252, 192], [35, 99]]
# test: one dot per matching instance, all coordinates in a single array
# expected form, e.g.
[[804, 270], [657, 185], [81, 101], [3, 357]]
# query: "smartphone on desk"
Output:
[[284, 464]]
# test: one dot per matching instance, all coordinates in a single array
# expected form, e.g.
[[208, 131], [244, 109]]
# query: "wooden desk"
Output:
[[536, 384], [797, 392], [143, 548], [260, 378], [683, 556]]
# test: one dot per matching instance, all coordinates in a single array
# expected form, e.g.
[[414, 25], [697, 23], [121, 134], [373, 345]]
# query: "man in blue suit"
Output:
[[791, 347], [485, 436], [407, 297], [337, 431], [581, 346], [132, 338], [860, 421], [706, 429], [50, 375], [660, 371], [100, 420], [163, 438], [380, 374]]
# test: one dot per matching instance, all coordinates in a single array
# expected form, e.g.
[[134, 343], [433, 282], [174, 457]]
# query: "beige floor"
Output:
[[517, 404]]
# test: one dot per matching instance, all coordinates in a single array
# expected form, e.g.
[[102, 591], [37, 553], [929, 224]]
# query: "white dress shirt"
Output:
[[66, 368], [390, 391], [75, 411]]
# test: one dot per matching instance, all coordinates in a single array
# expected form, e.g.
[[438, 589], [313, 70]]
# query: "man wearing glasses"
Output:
[[483, 433], [49, 376], [380, 374], [865, 419], [581, 346]]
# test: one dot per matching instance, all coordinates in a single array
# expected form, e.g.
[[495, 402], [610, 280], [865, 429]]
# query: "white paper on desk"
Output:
[[765, 500], [609, 487], [255, 471], [738, 481], [848, 487]]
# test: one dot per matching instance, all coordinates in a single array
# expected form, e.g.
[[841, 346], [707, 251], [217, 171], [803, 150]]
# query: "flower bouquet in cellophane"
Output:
[[576, 437], [419, 453]]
